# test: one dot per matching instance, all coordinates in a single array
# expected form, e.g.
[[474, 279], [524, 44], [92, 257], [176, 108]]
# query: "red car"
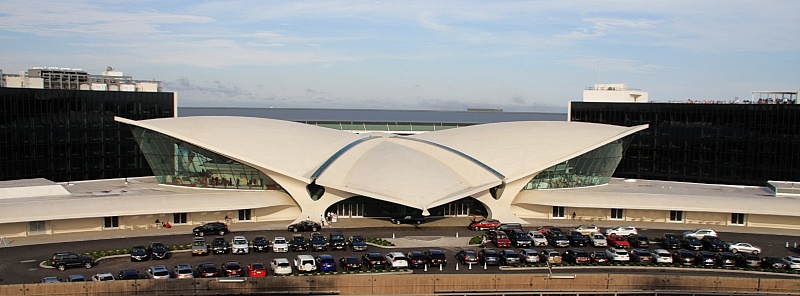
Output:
[[618, 241], [484, 224], [500, 239], [256, 270]]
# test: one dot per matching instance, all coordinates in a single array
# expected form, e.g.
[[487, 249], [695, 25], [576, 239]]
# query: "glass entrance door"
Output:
[[350, 208]]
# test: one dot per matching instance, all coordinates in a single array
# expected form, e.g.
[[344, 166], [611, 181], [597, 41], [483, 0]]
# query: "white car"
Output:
[[103, 277], [662, 256], [305, 263], [183, 271], [280, 266], [396, 260], [279, 245], [792, 262], [586, 230], [539, 240], [240, 245], [700, 233], [618, 255], [737, 247], [598, 239], [529, 255], [157, 272], [622, 231]]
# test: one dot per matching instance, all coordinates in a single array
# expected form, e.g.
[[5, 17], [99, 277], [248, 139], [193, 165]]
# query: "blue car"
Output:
[[326, 263]]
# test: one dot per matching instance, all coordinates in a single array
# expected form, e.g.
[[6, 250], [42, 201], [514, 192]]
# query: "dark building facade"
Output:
[[71, 135], [740, 144]]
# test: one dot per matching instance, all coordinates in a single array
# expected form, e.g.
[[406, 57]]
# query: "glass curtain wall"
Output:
[[179, 163], [592, 168]]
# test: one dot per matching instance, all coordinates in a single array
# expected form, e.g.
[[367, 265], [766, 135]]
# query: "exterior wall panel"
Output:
[[76, 225]]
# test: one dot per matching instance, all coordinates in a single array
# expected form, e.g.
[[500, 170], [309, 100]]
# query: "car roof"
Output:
[[305, 257], [281, 260], [325, 256]]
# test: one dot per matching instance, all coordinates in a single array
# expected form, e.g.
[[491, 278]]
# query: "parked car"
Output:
[[219, 245], [547, 229], [337, 241], [576, 256], [557, 239], [159, 251], [409, 219], [232, 268], [416, 259], [350, 263], [538, 238], [157, 272], [529, 255], [641, 256], [700, 233], [357, 243], [499, 239], [240, 245], [326, 262], [128, 274], [505, 227], [373, 260], [260, 244], [772, 262], [483, 224], [622, 230], [467, 256], [740, 247], [587, 230], [792, 262], [318, 242], [599, 257], [396, 260], [576, 239], [76, 278], [639, 241], [618, 255], [726, 259], [304, 226], [435, 257], [691, 243], [705, 258], [520, 239], [488, 257], [139, 253], [280, 266], [671, 241], [103, 277], [256, 269], [279, 245], [50, 280], [305, 263], [712, 243], [183, 271], [199, 246], [684, 257], [509, 257], [207, 270], [618, 241], [748, 260], [550, 256], [211, 228], [597, 239], [64, 260], [662, 256], [299, 243]]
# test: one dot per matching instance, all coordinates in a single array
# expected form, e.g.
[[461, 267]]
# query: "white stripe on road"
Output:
[[27, 261]]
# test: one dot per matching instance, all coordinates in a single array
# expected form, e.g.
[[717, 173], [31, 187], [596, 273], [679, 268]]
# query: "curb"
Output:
[[650, 268]]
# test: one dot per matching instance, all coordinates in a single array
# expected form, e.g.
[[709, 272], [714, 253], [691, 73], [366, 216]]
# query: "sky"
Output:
[[420, 55]]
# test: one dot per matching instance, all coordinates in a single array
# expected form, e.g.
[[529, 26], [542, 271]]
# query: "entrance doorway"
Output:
[[350, 208]]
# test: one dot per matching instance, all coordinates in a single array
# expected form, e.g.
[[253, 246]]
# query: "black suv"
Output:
[[639, 241], [712, 243], [520, 239], [211, 228], [304, 226], [318, 242], [435, 257], [670, 241], [159, 251], [219, 246], [337, 241], [373, 260], [64, 260], [576, 239], [260, 244], [299, 243]]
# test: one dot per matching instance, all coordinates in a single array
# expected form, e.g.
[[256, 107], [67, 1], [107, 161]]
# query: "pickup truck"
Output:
[[409, 219], [199, 246], [305, 263]]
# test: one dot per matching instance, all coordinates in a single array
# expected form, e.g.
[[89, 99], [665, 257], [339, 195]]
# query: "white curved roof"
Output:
[[420, 171]]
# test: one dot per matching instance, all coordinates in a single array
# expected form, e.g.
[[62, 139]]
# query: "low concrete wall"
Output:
[[416, 284]]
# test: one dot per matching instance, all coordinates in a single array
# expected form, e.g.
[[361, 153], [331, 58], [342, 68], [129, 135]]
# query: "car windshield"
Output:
[[337, 238], [161, 273], [299, 239], [538, 235], [138, 250], [621, 252], [184, 271], [199, 243], [260, 239], [501, 235], [357, 239], [280, 241], [283, 264], [239, 241], [158, 247]]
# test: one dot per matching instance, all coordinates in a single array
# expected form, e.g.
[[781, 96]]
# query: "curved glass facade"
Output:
[[176, 162], [592, 168]]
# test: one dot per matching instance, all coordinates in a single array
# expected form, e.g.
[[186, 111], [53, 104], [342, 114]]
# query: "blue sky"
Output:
[[444, 55]]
